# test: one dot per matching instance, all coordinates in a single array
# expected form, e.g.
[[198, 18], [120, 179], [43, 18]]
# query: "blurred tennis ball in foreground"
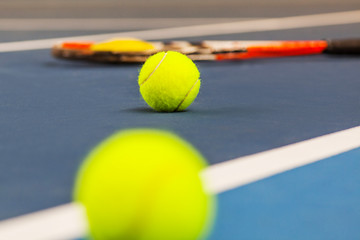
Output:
[[144, 184]]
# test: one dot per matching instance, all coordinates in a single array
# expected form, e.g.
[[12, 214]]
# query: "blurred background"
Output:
[[36, 19], [168, 8]]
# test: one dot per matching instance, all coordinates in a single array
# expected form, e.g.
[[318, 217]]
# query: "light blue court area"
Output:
[[318, 201]]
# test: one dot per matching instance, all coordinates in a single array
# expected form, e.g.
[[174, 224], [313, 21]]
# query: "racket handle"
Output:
[[343, 46]]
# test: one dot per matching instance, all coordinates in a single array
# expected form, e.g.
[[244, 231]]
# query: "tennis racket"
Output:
[[134, 50]]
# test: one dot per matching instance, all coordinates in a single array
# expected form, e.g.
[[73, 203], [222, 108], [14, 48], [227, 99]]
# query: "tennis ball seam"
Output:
[[187, 94], [157, 66]]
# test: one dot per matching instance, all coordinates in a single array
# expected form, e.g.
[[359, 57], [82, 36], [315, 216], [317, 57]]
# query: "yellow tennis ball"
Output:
[[169, 81], [144, 184], [123, 45]]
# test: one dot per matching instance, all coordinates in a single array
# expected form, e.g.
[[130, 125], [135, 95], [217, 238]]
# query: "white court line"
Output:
[[58, 223], [327, 19], [231, 174], [68, 221], [86, 24]]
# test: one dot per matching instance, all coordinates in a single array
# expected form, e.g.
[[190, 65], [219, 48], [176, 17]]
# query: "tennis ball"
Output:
[[144, 184], [169, 81], [123, 45]]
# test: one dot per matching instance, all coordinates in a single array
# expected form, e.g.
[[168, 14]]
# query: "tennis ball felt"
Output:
[[144, 184], [169, 81]]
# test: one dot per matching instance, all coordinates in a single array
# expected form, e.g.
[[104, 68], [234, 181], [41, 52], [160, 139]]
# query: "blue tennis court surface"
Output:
[[53, 112], [319, 201]]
